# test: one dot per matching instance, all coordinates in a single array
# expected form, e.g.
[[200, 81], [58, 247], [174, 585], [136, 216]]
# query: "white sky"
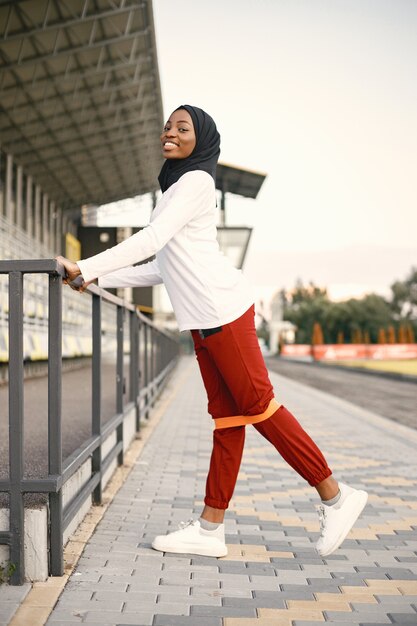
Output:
[[322, 96]]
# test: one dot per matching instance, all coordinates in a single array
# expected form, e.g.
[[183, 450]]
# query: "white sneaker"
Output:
[[337, 520], [192, 539]]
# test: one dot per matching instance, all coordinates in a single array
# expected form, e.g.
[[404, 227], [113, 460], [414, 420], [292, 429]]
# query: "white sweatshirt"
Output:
[[205, 289]]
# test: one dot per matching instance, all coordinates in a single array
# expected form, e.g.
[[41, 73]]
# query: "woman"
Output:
[[211, 298]]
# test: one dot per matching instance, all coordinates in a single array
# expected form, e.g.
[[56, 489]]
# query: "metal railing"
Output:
[[16, 244], [152, 354]]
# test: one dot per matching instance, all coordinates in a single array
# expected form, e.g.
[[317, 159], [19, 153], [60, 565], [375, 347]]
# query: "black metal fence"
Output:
[[152, 354]]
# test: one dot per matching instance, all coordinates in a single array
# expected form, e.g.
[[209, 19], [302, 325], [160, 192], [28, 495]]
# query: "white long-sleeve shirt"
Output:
[[205, 289]]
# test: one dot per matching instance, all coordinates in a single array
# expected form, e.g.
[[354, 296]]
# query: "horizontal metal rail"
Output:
[[152, 353]]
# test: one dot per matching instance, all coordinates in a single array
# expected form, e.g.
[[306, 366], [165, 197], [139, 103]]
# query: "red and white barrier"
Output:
[[296, 350], [347, 352]]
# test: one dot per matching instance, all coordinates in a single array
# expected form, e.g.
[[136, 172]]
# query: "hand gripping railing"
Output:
[[159, 352]]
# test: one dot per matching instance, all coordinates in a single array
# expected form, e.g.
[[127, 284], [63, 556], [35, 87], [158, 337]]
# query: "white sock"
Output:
[[332, 501], [208, 525]]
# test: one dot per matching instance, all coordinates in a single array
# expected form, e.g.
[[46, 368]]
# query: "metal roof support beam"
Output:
[[118, 108], [99, 146], [82, 19], [80, 99], [74, 50], [60, 96], [127, 126], [119, 169], [93, 130], [96, 189], [41, 116], [35, 151], [86, 72], [95, 192]]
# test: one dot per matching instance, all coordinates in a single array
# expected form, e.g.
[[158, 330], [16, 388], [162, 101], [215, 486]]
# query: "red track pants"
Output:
[[239, 392]]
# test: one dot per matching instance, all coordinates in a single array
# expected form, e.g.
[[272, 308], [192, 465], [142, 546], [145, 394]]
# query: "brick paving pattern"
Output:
[[272, 574]]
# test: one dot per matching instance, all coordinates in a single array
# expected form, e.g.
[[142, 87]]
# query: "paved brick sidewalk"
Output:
[[272, 575]]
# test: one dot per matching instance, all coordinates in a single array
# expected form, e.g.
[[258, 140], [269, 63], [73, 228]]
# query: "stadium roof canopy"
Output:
[[238, 180], [80, 97]]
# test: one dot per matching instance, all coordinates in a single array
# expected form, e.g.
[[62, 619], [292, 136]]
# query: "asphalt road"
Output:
[[395, 399]]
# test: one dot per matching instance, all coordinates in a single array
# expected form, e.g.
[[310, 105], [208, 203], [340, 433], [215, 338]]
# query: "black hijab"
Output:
[[203, 157]]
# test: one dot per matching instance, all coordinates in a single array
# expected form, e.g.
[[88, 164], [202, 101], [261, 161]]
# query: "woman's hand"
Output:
[[72, 271], [85, 284]]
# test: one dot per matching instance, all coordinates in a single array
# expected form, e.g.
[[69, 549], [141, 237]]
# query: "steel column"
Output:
[[96, 393], [51, 217], [37, 215], [146, 371], [19, 188], [45, 220], [55, 420], [58, 231], [16, 408], [134, 364], [8, 208], [119, 377], [29, 206], [153, 372]]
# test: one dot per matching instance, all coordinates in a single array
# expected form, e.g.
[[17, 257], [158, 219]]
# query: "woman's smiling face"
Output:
[[178, 137]]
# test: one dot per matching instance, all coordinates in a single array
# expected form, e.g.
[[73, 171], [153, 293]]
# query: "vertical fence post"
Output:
[[119, 377], [153, 334], [159, 352], [164, 351], [16, 426], [134, 364], [96, 392], [155, 362], [157, 341], [146, 370], [55, 420]]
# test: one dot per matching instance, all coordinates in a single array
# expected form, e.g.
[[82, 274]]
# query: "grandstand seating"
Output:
[[15, 243]]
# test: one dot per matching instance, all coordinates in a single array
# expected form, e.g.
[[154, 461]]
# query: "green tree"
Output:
[[372, 312], [357, 318], [309, 304], [404, 296], [304, 306]]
